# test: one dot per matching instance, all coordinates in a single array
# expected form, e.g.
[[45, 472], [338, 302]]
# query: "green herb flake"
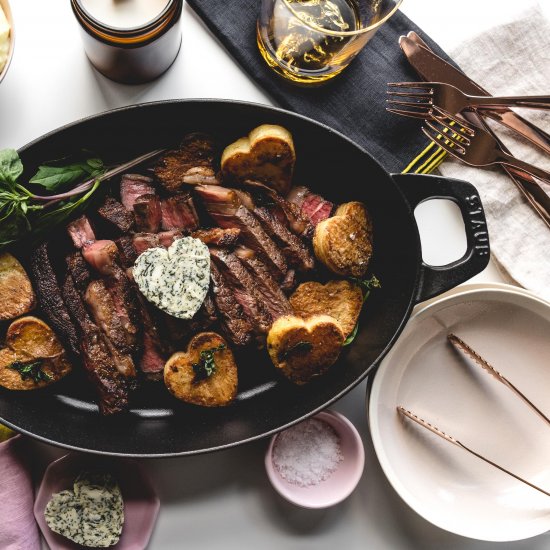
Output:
[[366, 286], [32, 369], [206, 366]]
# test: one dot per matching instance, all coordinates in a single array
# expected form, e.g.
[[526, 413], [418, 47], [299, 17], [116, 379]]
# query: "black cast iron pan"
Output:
[[328, 163]]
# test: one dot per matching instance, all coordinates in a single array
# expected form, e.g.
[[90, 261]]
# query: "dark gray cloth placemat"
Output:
[[353, 102]]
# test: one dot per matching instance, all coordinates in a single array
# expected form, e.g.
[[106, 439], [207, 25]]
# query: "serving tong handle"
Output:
[[450, 439], [460, 345]]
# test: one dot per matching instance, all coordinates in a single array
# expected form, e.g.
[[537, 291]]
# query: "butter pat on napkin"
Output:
[[4, 39]]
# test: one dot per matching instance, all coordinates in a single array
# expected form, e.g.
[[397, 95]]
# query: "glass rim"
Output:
[[345, 33]]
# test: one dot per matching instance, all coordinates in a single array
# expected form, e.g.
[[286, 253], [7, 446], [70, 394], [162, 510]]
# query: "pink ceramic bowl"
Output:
[[340, 484], [141, 503]]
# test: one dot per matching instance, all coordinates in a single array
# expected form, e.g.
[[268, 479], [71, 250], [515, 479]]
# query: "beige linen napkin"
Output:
[[512, 59]]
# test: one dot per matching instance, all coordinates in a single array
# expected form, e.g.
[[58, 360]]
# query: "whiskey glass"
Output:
[[312, 41]]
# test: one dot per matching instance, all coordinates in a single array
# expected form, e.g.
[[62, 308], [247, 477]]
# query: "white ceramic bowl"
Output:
[[340, 484], [510, 328], [7, 10]]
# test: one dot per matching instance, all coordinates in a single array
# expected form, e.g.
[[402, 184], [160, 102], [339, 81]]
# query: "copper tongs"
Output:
[[461, 346]]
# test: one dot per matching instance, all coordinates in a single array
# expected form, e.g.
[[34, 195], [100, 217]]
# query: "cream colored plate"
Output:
[[450, 488]]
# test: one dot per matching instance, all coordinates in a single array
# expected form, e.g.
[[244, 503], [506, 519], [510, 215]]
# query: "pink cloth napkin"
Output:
[[18, 529]]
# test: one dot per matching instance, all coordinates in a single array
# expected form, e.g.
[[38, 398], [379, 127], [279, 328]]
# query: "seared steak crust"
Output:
[[191, 163], [116, 215], [234, 322], [111, 385], [51, 299]]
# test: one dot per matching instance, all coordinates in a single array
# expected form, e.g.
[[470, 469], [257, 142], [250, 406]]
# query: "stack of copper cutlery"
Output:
[[455, 109]]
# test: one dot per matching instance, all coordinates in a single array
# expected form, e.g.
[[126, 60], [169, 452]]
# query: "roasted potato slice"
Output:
[[266, 154], [31, 336], [15, 288], [304, 348], [342, 300], [343, 242], [187, 377], [33, 357]]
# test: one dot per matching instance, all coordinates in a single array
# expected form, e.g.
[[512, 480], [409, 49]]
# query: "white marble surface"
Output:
[[224, 500]]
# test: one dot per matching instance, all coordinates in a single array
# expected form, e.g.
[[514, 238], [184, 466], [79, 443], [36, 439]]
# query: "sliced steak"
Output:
[[116, 215], [286, 212], [218, 236], [235, 323], [226, 209], [294, 249], [206, 316], [50, 298], [270, 292], [104, 313], [133, 186], [147, 213], [166, 238], [155, 351], [314, 207], [178, 212], [191, 163], [103, 257], [81, 231], [244, 287], [144, 241], [111, 385], [126, 251], [79, 270]]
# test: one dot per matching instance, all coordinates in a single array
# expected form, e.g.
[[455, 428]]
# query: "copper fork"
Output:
[[419, 98], [475, 147]]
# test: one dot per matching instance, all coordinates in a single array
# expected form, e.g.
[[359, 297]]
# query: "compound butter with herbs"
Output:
[[91, 514], [176, 279]]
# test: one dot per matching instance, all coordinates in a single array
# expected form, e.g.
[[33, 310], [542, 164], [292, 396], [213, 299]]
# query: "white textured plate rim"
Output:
[[424, 311]]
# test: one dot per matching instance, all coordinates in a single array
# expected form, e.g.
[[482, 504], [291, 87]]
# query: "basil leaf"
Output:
[[52, 177], [11, 166]]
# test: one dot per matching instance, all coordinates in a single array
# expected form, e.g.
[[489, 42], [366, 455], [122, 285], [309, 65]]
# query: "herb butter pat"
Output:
[[92, 514], [175, 280]]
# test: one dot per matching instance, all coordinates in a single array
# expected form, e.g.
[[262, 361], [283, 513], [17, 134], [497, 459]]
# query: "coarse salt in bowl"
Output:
[[335, 471]]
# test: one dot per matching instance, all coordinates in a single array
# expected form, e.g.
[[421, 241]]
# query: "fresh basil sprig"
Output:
[[23, 213], [366, 286]]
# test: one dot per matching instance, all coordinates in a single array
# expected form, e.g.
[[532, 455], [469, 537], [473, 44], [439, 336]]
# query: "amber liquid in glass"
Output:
[[302, 53]]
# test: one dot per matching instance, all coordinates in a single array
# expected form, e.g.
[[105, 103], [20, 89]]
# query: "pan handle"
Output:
[[435, 280]]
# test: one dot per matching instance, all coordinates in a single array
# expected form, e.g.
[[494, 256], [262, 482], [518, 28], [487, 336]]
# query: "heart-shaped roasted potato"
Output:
[[342, 300], [304, 348], [15, 288], [33, 356], [266, 154], [205, 374], [343, 242], [176, 279]]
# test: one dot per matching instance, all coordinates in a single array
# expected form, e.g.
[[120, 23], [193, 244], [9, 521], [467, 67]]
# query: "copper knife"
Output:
[[431, 67]]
